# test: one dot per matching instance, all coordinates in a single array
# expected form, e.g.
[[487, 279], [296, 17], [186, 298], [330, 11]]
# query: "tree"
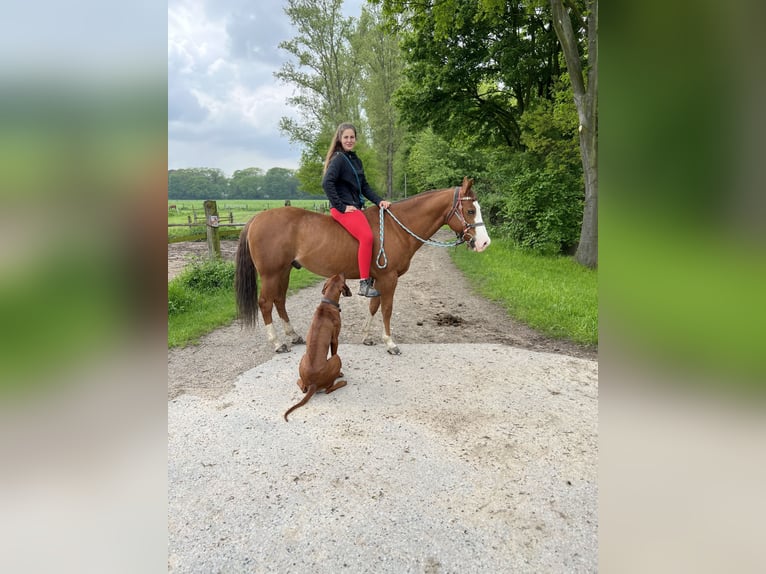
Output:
[[280, 183], [476, 66], [471, 70], [246, 183], [325, 71], [585, 92], [435, 163], [197, 183], [382, 64]]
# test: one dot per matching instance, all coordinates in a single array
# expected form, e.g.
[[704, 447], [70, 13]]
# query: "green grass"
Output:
[[202, 299], [229, 210], [551, 294]]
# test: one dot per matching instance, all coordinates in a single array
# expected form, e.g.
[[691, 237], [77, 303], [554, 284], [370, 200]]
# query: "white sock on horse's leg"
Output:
[[271, 334], [389, 341]]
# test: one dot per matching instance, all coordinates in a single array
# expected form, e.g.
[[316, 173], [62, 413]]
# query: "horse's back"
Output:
[[283, 235], [282, 221]]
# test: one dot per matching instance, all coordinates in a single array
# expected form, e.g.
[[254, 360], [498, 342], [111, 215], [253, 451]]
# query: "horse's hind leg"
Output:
[[280, 301], [268, 297], [290, 333]]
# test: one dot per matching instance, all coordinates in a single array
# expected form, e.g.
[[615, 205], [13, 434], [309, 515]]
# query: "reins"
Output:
[[458, 241]]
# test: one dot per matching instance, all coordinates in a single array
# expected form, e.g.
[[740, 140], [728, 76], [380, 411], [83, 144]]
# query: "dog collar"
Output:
[[331, 302]]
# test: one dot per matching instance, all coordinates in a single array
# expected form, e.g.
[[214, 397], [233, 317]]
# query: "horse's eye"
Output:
[[471, 212]]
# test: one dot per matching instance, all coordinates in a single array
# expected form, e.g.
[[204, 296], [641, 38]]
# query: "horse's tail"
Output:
[[309, 394], [246, 281]]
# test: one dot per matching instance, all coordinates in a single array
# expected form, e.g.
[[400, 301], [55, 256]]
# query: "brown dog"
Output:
[[316, 370]]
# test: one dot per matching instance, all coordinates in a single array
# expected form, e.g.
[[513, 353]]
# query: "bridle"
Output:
[[462, 236]]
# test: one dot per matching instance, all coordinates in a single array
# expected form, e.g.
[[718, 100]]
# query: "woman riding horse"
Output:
[[344, 184]]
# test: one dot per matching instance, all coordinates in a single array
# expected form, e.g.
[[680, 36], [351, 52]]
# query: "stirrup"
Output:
[[366, 289]]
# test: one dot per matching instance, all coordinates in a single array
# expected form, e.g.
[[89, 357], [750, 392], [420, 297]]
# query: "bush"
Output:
[[543, 211], [179, 298], [207, 275], [537, 205]]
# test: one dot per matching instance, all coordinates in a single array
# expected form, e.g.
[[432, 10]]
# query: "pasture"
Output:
[[188, 215]]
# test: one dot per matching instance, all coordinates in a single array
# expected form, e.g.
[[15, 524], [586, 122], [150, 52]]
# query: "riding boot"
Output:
[[366, 289]]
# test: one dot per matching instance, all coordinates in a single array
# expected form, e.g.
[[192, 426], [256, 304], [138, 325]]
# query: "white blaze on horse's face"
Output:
[[481, 236]]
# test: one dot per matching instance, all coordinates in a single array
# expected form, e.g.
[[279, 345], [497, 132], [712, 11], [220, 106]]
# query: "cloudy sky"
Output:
[[224, 103]]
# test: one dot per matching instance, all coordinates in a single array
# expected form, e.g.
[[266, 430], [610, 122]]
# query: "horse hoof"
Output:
[[298, 340], [369, 342], [282, 349], [394, 351]]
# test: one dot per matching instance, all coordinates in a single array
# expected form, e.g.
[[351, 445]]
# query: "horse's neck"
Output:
[[423, 214]]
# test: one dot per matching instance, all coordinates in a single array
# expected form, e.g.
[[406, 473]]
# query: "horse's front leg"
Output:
[[366, 336], [386, 285], [387, 304]]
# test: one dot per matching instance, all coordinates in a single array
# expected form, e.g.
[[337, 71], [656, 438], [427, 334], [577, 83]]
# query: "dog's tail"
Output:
[[309, 394], [245, 281]]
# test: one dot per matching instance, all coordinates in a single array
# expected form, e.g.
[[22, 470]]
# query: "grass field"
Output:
[[237, 211], [552, 294]]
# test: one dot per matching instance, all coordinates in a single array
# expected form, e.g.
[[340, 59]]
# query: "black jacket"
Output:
[[341, 185]]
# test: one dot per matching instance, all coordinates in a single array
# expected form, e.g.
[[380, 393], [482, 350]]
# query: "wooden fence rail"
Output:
[[212, 222]]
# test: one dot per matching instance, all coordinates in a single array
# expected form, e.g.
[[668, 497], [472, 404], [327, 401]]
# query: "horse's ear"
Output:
[[467, 183]]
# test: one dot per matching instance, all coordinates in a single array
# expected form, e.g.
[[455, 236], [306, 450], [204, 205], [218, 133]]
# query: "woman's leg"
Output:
[[356, 224]]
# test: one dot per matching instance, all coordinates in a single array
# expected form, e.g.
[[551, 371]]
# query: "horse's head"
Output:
[[465, 218]]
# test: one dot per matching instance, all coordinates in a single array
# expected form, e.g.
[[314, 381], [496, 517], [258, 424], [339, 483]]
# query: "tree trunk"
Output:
[[586, 102]]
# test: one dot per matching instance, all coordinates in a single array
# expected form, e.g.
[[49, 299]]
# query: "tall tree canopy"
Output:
[[473, 71], [325, 70], [475, 67], [382, 75]]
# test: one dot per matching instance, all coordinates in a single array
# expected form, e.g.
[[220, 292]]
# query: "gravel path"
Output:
[[473, 451]]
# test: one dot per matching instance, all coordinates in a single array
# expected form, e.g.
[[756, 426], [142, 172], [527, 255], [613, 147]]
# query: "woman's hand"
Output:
[[350, 208], [384, 204]]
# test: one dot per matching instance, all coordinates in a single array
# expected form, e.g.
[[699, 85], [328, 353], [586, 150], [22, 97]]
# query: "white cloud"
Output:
[[224, 103]]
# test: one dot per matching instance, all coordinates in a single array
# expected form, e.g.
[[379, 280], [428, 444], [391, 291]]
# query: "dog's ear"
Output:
[[346, 291], [324, 287]]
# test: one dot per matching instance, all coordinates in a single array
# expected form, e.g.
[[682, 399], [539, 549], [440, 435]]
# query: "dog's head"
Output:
[[336, 286]]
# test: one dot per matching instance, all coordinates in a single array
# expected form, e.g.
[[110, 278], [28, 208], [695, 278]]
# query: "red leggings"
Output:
[[356, 224]]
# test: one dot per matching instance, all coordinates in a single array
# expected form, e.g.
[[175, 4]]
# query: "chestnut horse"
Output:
[[276, 240]]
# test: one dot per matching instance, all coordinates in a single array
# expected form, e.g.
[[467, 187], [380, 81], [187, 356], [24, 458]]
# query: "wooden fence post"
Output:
[[211, 220]]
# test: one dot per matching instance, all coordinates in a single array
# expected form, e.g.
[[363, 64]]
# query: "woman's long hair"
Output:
[[336, 144]]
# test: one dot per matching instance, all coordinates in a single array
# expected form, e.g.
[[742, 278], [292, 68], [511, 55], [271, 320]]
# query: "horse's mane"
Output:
[[421, 194]]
